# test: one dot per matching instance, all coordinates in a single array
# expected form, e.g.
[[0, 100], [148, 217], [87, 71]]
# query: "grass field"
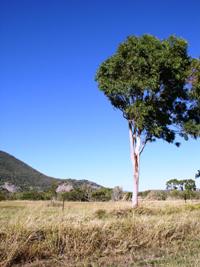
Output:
[[160, 233]]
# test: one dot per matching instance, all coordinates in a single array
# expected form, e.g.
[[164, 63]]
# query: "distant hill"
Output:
[[15, 175]]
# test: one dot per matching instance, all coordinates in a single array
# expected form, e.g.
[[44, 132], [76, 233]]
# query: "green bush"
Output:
[[74, 195], [103, 194], [2, 196], [32, 195]]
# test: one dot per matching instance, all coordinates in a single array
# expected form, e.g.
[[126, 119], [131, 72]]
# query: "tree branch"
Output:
[[144, 144]]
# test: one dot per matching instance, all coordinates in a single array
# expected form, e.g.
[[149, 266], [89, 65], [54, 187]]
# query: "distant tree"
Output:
[[189, 185], [117, 193], [32, 195], [172, 184], [182, 185], [77, 194], [156, 86], [88, 190], [102, 194], [52, 192]]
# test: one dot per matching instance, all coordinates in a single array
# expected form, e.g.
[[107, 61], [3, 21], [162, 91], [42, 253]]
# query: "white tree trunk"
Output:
[[135, 159], [136, 180]]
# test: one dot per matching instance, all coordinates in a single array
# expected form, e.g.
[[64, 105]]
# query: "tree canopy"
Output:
[[156, 85], [186, 184]]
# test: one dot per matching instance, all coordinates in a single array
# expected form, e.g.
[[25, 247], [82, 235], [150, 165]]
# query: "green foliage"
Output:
[[186, 194], [31, 195], [187, 184], [2, 196], [157, 195], [175, 194], [173, 184], [103, 194], [149, 80], [20, 174], [192, 126], [74, 195]]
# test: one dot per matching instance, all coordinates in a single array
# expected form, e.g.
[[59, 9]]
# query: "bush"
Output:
[[31, 195], [103, 194], [144, 193], [74, 195], [2, 196], [157, 195], [101, 214]]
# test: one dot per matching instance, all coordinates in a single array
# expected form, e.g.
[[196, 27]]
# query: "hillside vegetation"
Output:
[[24, 177]]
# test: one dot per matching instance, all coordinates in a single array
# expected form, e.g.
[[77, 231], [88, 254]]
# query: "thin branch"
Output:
[[144, 144]]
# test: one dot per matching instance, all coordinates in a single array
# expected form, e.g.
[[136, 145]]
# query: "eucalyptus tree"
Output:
[[174, 184], [186, 184], [155, 83]]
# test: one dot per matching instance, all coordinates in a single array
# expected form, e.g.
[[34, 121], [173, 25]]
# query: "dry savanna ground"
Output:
[[160, 233]]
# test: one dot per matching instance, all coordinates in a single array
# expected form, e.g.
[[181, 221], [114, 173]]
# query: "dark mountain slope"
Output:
[[24, 177]]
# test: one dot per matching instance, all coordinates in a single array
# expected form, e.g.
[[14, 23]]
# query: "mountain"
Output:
[[15, 175]]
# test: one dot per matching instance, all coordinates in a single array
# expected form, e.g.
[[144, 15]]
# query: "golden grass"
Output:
[[158, 233]]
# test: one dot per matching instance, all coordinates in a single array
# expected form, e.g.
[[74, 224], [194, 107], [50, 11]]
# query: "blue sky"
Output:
[[53, 117]]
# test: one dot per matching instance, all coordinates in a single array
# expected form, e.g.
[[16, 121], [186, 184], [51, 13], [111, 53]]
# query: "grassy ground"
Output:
[[160, 233]]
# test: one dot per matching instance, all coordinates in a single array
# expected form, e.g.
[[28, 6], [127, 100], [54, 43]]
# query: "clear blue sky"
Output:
[[52, 115]]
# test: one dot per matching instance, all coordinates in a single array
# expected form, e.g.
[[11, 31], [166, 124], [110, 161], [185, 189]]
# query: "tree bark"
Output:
[[136, 180], [135, 159]]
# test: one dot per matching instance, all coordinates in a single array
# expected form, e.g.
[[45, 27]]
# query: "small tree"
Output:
[[52, 192], [102, 194], [173, 184], [156, 85], [189, 184]]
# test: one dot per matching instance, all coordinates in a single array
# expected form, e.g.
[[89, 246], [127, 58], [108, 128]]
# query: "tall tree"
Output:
[[173, 184], [155, 83], [186, 184]]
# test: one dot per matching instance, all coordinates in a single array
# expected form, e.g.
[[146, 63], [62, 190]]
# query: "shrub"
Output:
[[157, 195], [31, 195], [103, 194], [101, 214], [74, 195], [2, 196], [144, 193]]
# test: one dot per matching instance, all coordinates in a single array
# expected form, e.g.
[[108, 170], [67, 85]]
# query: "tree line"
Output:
[[85, 194]]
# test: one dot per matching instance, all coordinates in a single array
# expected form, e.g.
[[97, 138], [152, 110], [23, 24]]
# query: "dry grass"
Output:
[[99, 234]]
